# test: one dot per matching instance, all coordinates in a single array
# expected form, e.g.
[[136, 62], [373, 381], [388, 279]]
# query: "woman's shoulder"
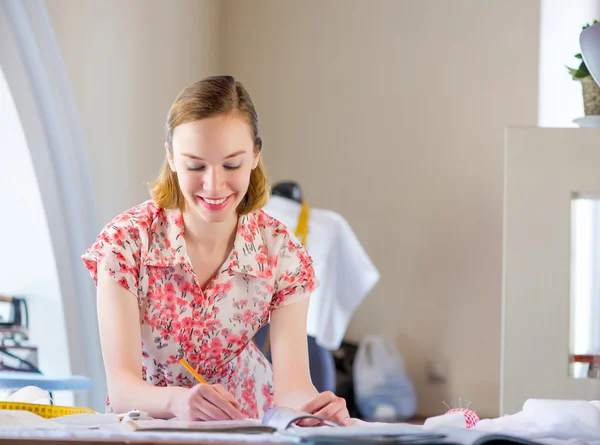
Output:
[[295, 274], [139, 214], [120, 245], [271, 226], [133, 221], [275, 234]]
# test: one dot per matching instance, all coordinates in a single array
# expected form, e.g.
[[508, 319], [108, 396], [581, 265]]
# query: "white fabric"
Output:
[[341, 264], [549, 419]]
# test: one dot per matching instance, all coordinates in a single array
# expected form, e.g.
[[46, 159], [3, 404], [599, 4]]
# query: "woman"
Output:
[[195, 272]]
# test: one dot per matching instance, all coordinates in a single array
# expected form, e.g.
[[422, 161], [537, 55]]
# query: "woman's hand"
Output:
[[328, 406], [206, 402]]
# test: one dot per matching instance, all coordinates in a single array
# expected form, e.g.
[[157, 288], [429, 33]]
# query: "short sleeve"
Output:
[[295, 279], [117, 251]]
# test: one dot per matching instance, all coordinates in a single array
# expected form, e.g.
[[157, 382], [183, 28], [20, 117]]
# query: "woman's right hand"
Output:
[[206, 402]]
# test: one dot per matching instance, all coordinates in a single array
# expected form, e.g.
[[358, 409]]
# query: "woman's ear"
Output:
[[170, 158], [255, 160]]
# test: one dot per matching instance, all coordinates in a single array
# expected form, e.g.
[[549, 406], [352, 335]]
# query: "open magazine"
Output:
[[276, 419]]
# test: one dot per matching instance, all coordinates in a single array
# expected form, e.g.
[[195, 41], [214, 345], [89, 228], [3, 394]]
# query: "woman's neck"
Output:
[[209, 236]]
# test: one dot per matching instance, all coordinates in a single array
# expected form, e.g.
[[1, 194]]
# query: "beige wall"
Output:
[[126, 61], [392, 113]]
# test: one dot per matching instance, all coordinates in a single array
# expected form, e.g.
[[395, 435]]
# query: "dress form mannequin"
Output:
[[288, 189]]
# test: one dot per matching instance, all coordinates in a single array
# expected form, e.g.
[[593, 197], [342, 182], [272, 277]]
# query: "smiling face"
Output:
[[213, 159]]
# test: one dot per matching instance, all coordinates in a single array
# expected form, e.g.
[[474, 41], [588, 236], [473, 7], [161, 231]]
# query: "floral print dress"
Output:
[[144, 251]]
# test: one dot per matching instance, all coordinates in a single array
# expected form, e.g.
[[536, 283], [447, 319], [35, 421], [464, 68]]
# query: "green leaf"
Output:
[[587, 25], [572, 71], [582, 71]]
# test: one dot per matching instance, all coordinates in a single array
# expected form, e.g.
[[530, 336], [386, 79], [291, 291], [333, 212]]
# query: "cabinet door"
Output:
[[551, 278]]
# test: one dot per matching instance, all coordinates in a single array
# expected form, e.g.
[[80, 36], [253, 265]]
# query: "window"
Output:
[[585, 282]]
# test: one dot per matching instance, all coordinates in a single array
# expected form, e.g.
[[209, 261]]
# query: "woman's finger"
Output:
[[220, 402], [202, 402], [221, 390], [341, 417], [348, 420], [328, 412], [210, 411], [201, 414], [319, 402], [308, 422]]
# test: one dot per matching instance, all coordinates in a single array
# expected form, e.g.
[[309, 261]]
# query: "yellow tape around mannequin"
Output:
[[302, 224]]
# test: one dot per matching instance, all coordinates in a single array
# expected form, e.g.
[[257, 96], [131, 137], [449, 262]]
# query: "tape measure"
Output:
[[302, 225], [46, 411]]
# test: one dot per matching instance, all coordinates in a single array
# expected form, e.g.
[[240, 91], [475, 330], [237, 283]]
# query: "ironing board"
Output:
[[16, 380]]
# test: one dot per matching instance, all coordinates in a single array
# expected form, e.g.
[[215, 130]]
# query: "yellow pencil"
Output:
[[192, 371]]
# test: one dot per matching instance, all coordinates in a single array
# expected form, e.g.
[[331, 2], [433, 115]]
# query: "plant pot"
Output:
[[591, 96]]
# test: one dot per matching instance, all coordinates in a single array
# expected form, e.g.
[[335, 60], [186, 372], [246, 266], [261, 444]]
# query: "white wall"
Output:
[[27, 265], [392, 113]]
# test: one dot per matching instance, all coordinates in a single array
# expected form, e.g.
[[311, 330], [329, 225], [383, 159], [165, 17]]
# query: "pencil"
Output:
[[192, 371]]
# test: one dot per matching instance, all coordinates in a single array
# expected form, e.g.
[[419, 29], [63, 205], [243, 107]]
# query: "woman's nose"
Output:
[[213, 180]]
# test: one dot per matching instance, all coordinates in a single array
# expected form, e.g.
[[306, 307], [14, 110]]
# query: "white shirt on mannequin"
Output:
[[343, 268]]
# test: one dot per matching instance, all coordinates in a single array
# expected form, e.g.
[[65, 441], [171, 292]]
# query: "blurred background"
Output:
[[391, 113]]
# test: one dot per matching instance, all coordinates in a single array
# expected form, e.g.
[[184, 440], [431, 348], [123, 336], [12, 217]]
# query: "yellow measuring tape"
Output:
[[302, 225], [46, 411]]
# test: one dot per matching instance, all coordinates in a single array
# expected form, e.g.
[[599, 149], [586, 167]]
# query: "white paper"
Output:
[[456, 420], [551, 412], [87, 420], [27, 419]]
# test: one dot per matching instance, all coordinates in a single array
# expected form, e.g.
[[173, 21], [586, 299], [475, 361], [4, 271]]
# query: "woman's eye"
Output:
[[193, 167], [233, 167]]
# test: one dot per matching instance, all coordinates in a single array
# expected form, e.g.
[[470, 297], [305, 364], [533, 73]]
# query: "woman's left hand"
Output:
[[328, 406]]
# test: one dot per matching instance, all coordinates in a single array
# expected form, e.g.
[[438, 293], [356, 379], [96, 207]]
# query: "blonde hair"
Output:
[[212, 96]]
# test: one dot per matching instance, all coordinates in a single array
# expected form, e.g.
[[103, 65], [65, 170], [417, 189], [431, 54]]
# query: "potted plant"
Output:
[[591, 91]]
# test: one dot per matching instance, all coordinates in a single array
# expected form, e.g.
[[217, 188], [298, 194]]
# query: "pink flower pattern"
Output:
[[143, 249]]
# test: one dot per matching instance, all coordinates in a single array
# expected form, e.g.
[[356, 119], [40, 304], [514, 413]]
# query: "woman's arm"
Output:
[[120, 337], [291, 371], [289, 352]]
